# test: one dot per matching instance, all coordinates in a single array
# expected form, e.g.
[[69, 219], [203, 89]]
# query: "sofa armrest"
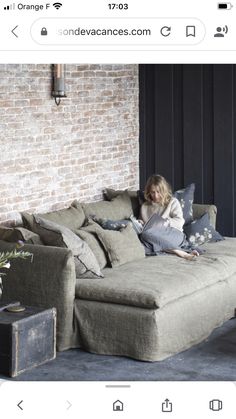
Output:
[[47, 281], [201, 209]]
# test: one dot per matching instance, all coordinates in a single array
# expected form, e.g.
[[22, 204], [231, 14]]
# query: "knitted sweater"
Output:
[[172, 212]]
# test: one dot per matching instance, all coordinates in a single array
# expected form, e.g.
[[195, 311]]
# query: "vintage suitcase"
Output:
[[27, 339]]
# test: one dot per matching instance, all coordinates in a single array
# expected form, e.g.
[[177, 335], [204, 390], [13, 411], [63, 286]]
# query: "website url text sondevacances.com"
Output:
[[104, 32]]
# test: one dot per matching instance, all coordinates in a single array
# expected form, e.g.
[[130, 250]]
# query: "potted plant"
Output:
[[6, 257]]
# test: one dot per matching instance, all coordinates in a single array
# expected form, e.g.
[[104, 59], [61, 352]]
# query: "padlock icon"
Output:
[[44, 31]]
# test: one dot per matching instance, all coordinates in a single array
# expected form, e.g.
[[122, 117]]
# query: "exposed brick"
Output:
[[51, 155]]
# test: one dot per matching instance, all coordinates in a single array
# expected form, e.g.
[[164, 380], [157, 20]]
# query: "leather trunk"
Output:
[[27, 339]]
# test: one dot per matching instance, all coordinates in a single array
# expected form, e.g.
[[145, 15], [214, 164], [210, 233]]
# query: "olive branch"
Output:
[[5, 257]]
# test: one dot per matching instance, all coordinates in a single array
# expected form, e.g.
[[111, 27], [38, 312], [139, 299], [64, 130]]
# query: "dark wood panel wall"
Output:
[[188, 132]]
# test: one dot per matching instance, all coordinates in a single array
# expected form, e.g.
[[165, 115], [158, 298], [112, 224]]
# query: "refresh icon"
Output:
[[165, 30]]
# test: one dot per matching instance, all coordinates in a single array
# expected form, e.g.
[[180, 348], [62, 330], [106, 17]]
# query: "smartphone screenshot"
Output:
[[118, 209]]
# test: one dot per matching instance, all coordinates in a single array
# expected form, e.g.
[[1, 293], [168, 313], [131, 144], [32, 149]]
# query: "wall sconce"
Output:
[[58, 82]]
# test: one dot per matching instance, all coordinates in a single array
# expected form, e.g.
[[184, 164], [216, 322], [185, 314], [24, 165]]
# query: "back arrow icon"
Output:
[[14, 32], [19, 405]]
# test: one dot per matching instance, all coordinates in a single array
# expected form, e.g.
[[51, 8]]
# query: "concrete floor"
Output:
[[212, 360]]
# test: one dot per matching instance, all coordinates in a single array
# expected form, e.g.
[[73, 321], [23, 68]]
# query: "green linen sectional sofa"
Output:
[[147, 308]]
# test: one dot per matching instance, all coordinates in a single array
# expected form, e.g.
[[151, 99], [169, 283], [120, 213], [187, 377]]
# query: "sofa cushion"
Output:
[[15, 234], [121, 246], [201, 231], [156, 281], [186, 197], [72, 218], [120, 207], [201, 209], [53, 234], [93, 242], [110, 194]]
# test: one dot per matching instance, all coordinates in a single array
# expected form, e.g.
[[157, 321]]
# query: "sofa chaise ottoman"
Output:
[[156, 307], [147, 309]]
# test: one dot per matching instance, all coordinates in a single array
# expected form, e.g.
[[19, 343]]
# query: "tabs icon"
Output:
[[215, 405]]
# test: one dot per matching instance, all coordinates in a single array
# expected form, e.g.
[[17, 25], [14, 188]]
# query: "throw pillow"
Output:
[[28, 220], [122, 246], [15, 234], [201, 209], [110, 194], [53, 234], [141, 198], [201, 231], [110, 224], [72, 218], [97, 248], [185, 197], [117, 209]]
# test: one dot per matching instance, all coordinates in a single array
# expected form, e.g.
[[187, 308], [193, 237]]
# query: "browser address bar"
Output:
[[118, 31]]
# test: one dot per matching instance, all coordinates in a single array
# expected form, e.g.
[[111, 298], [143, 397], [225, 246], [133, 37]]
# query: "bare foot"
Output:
[[190, 256]]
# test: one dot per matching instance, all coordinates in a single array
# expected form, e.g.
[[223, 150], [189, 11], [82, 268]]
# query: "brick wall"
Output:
[[52, 154]]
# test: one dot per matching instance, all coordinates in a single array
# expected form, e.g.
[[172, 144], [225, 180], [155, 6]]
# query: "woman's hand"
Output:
[[166, 222]]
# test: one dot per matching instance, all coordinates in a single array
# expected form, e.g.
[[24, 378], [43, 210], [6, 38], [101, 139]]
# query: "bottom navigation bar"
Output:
[[118, 399]]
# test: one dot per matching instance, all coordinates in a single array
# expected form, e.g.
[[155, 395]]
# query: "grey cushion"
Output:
[[53, 234], [93, 242], [112, 193], [120, 207], [72, 218], [201, 209], [122, 246], [201, 231], [186, 197], [15, 234]]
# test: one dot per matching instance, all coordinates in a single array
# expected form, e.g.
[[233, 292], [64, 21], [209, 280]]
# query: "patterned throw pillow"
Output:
[[110, 224], [185, 197], [201, 231]]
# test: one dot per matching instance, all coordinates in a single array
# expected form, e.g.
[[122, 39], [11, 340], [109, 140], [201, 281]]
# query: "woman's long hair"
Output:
[[164, 187]]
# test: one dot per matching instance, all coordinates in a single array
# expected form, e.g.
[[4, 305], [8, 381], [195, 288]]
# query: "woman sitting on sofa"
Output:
[[162, 217]]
